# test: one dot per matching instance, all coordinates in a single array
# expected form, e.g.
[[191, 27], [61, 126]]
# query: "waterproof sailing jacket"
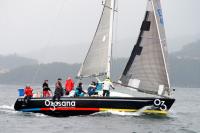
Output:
[[28, 91], [69, 85]]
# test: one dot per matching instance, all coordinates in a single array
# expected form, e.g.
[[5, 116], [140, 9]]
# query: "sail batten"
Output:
[[98, 58], [146, 69]]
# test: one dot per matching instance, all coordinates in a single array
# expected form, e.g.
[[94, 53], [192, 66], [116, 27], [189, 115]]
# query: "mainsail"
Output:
[[97, 61], [146, 69]]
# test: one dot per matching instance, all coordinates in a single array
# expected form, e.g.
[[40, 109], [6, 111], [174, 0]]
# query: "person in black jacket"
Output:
[[46, 89], [58, 90]]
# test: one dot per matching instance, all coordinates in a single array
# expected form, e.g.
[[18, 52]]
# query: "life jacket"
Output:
[[28, 91]]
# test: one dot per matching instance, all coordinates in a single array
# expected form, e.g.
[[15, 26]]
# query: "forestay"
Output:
[[146, 69], [97, 61]]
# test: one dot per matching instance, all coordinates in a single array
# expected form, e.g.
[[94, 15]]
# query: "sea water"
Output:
[[184, 117]]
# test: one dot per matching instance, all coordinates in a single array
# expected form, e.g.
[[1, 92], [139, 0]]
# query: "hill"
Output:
[[37, 73], [184, 72], [185, 66], [190, 51], [14, 61], [184, 69]]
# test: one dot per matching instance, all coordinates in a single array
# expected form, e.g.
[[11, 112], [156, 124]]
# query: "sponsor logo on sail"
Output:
[[159, 11]]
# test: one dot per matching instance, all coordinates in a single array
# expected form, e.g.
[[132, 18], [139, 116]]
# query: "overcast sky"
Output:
[[28, 25]]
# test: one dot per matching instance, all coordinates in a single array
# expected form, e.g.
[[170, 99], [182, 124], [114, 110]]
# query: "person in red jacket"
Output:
[[69, 85], [28, 91]]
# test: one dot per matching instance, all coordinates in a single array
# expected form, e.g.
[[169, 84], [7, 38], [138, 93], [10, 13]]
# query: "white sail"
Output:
[[146, 69], [97, 61]]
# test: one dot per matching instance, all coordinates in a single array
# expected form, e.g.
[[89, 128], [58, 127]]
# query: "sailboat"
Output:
[[145, 73]]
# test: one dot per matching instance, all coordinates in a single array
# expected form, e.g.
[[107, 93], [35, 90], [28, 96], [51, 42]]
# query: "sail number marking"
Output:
[[161, 104]]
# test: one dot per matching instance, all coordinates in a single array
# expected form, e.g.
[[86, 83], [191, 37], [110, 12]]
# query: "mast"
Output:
[[110, 39]]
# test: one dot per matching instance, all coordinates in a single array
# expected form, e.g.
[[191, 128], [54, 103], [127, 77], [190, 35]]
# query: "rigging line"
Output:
[[49, 40]]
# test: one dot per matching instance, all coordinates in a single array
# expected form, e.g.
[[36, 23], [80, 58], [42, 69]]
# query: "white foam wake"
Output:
[[137, 113], [140, 112], [125, 113], [10, 110], [4, 107], [7, 109]]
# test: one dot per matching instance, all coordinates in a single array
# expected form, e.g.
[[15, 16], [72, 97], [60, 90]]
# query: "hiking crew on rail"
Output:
[[94, 89]]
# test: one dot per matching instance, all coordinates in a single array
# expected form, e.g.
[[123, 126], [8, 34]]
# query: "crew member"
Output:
[[69, 85], [79, 90], [28, 91], [107, 84], [58, 90], [92, 88], [46, 89]]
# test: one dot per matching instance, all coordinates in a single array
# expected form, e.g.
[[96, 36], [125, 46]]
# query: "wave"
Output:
[[7, 107], [183, 130], [31, 114], [177, 114], [138, 113]]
